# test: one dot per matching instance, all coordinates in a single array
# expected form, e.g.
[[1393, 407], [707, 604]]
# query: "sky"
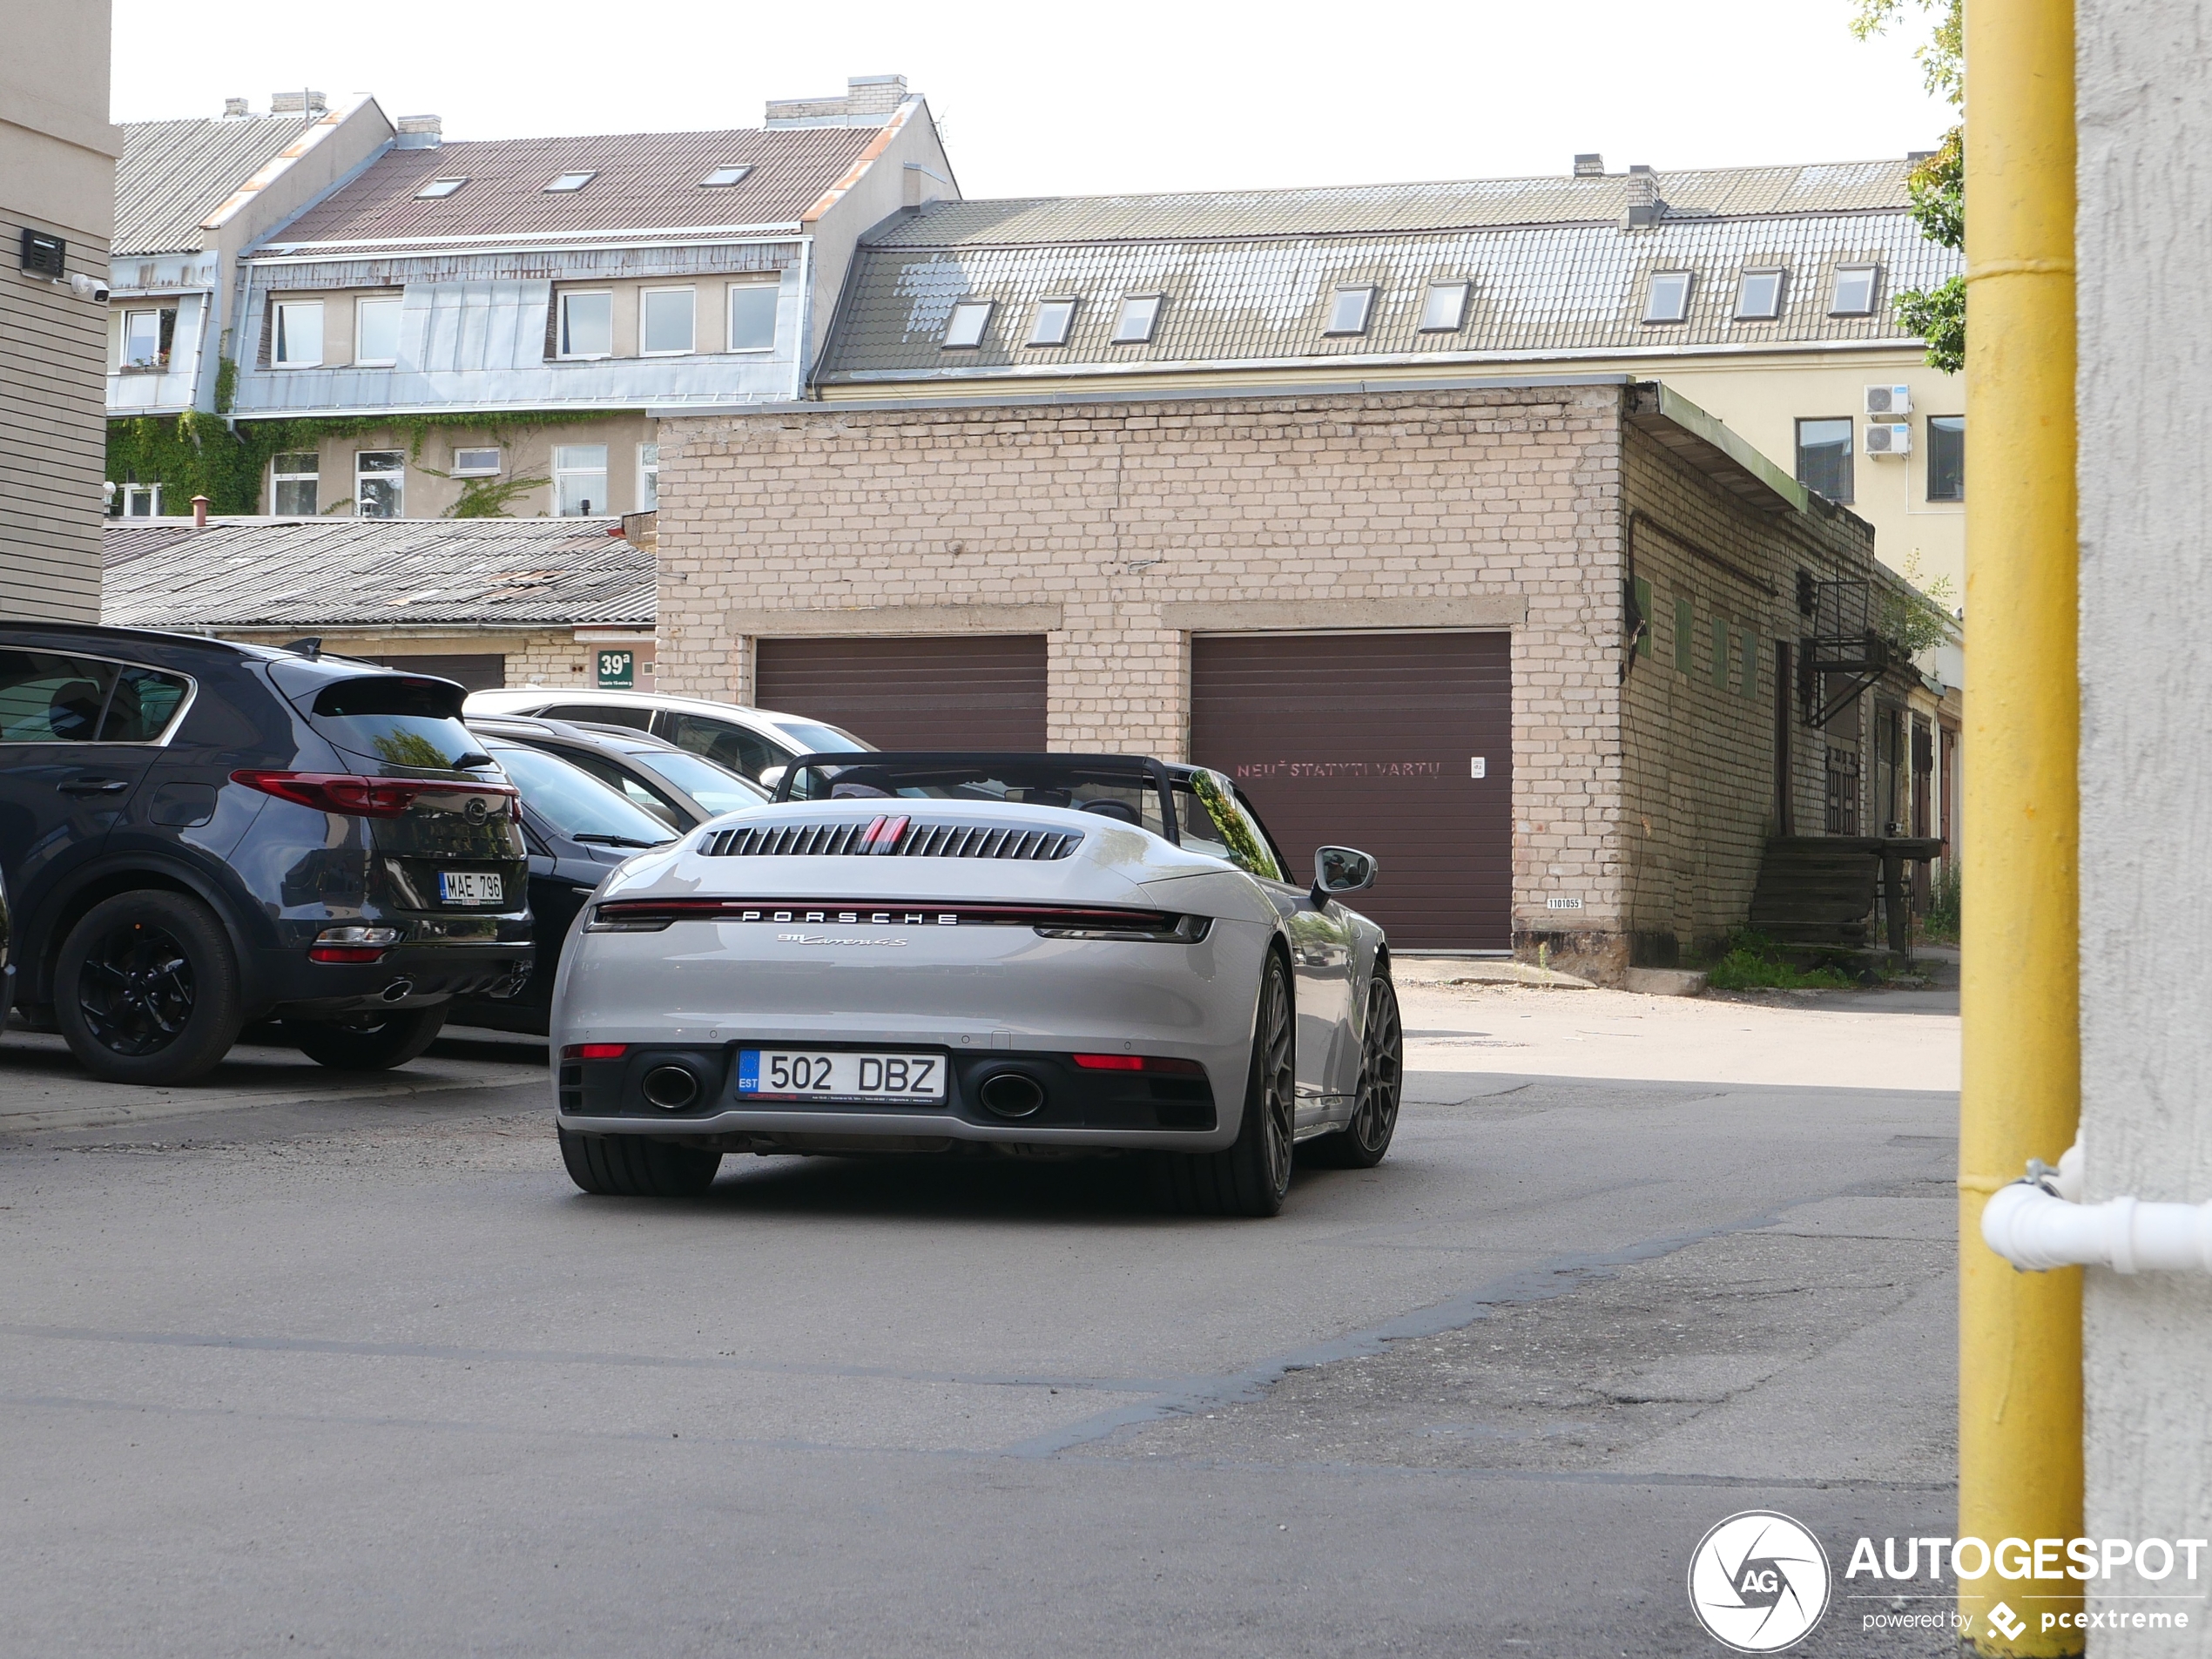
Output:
[[1134, 95]]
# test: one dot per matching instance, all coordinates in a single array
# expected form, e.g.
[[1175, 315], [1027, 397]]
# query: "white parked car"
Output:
[[753, 742], [943, 953]]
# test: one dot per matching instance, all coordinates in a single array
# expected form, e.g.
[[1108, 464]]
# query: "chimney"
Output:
[[298, 104], [867, 100], [199, 512], [1644, 208], [233, 108], [1589, 167], [420, 132]]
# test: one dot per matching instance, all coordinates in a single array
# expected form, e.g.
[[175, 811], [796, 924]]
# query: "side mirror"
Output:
[[770, 776], [1342, 869]]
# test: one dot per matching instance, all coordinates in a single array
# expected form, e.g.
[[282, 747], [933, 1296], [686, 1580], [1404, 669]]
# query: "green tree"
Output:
[[1938, 183]]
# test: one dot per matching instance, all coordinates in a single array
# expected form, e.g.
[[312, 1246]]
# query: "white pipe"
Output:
[[2040, 1223]]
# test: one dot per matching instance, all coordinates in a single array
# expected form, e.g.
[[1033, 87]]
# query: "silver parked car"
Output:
[[755, 743], [944, 952]]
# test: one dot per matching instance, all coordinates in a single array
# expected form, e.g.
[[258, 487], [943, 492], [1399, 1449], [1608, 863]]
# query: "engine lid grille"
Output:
[[891, 836]]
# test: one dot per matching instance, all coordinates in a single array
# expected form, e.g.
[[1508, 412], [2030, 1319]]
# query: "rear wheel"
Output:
[[1252, 1175], [637, 1166], [1360, 1143], [375, 1042], [145, 988]]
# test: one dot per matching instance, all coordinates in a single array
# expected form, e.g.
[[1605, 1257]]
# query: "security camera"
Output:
[[89, 288]]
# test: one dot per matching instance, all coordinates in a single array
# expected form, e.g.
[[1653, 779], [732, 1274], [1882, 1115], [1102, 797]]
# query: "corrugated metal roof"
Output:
[[173, 174], [643, 180], [1537, 290], [1835, 187], [393, 573]]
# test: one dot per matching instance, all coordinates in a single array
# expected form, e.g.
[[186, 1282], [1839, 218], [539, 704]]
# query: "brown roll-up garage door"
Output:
[[973, 691], [1371, 740], [478, 671]]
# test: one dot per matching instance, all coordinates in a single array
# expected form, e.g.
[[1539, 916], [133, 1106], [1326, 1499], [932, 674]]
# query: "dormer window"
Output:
[[964, 332], [1854, 295], [567, 181], [723, 178], [1140, 314], [1667, 298], [1758, 296], [1348, 311], [1053, 322], [437, 189], [1445, 311]]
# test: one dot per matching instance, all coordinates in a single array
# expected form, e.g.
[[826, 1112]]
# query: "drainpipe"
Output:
[[2019, 1373], [806, 317]]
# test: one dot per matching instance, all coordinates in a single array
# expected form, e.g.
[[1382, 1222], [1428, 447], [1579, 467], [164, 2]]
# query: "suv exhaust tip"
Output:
[[1011, 1093], [399, 990]]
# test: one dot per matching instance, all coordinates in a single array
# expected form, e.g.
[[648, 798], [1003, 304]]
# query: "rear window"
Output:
[[400, 721]]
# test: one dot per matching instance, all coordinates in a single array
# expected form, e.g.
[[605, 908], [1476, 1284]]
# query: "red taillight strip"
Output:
[[359, 796], [594, 1051], [885, 911]]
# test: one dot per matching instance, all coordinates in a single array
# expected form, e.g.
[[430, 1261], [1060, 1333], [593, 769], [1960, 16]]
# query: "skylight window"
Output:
[[571, 181], [439, 187], [1668, 299], [965, 331], [722, 177], [1445, 311], [1348, 311], [1854, 294], [1758, 296], [1140, 314], [1051, 324]]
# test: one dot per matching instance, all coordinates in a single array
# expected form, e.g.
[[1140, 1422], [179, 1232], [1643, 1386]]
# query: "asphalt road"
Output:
[[290, 1363]]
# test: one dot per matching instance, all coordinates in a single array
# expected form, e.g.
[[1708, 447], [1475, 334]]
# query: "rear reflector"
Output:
[[344, 952], [1135, 1062], [594, 1051]]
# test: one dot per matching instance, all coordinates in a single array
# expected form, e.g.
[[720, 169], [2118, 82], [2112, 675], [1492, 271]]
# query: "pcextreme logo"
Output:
[[1758, 1582]]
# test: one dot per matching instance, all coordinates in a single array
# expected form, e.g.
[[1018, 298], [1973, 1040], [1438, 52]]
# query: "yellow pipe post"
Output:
[[2020, 1334]]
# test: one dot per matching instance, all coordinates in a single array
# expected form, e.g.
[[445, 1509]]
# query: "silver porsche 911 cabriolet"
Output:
[[946, 953]]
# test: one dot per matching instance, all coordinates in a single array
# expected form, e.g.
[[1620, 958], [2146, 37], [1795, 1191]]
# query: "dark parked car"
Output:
[[200, 833], [576, 829], [680, 788]]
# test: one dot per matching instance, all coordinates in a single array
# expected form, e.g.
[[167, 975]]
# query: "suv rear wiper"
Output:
[[595, 839]]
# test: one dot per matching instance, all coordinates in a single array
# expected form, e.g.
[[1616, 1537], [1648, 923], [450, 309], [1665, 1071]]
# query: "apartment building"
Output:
[[58, 208]]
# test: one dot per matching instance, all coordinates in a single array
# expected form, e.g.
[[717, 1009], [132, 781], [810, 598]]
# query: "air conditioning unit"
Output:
[[1889, 440], [1889, 400]]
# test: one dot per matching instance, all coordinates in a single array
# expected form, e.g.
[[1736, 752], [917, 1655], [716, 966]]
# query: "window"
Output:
[[1750, 682], [1946, 457], [142, 704], [293, 480], [1055, 320], [587, 324], [648, 476], [1758, 296], [579, 479], [1139, 317], [1824, 457], [1720, 653], [45, 699], [146, 338], [723, 742], [376, 333], [380, 483], [141, 501], [1209, 818], [570, 181], [1685, 626], [964, 331], [1854, 295], [753, 315], [475, 463], [1667, 298], [299, 335], [438, 189], [1348, 311], [1445, 311], [1644, 617], [723, 178], [664, 321]]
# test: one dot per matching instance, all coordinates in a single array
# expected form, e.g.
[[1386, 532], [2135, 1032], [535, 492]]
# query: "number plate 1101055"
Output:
[[799, 1074]]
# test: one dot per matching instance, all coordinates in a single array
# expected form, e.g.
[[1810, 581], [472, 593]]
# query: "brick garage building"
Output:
[[1519, 639]]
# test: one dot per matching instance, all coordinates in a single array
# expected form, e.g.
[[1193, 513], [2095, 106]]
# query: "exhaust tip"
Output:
[[399, 990], [1011, 1093], [670, 1088]]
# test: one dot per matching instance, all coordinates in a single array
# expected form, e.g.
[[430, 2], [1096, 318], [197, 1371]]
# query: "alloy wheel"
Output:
[[137, 991], [1278, 1083], [1382, 1069]]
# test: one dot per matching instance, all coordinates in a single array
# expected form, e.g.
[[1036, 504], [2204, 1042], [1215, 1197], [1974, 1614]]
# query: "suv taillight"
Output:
[[338, 792]]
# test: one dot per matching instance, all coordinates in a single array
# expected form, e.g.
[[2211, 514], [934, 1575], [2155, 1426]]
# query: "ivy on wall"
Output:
[[199, 454]]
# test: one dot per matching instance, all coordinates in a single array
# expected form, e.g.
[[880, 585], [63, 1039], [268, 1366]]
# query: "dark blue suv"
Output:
[[196, 834]]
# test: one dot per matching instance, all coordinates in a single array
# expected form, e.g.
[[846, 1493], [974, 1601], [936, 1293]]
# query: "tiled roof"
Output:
[[643, 181], [1838, 187], [173, 174], [292, 573]]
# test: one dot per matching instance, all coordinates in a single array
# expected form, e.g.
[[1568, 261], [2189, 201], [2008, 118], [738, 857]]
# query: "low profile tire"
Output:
[[378, 1043], [145, 989], [1253, 1176], [1361, 1143], [637, 1166]]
